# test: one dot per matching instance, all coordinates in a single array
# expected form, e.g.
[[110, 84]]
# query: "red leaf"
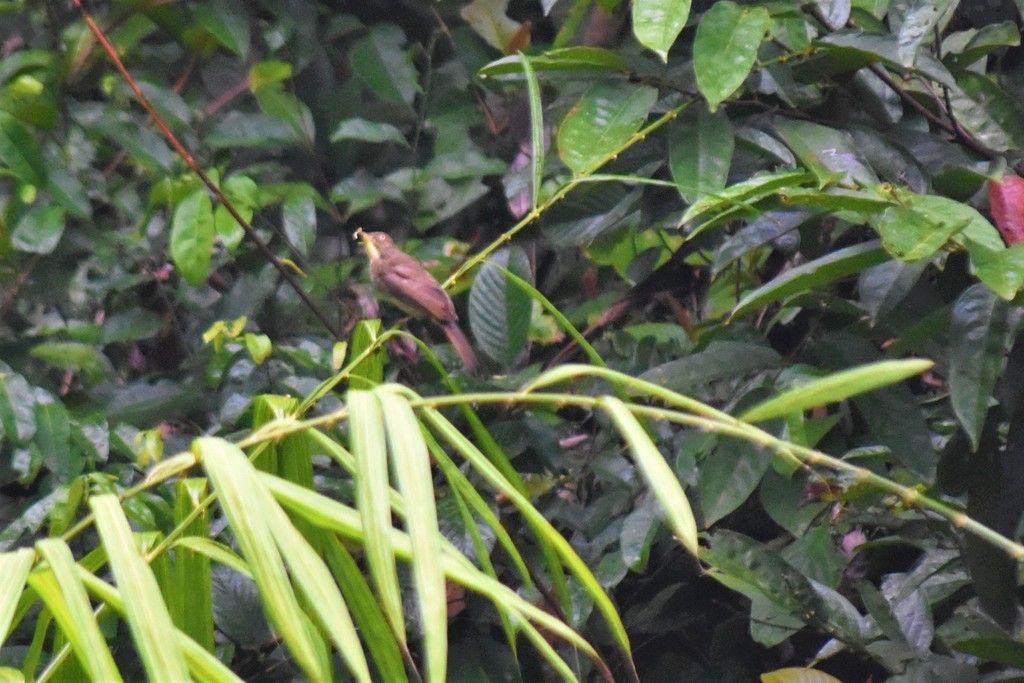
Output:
[[1006, 198]]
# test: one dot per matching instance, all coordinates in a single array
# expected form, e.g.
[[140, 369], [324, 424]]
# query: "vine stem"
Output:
[[187, 157]]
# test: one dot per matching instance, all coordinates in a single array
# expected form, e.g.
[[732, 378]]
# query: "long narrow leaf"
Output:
[[372, 497], [411, 463], [62, 591], [145, 611], [836, 387], [233, 478], [536, 132], [660, 477], [14, 569]]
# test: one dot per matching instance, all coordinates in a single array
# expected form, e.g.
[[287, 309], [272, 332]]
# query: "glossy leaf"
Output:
[[978, 334], [19, 151], [500, 312], [379, 60], [700, 152], [39, 230], [192, 233], [728, 37], [836, 387], [657, 23], [604, 119], [809, 276]]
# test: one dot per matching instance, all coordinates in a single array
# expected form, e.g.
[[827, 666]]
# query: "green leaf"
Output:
[[61, 589], [601, 122], [267, 73], [978, 334], [700, 152], [192, 233], [729, 475], [298, 221], [569, 61], [243, 193], [75, 357], [364, 130], [19, 151], [720, 360], [1001, 268], [918, 26], [657, 472], [836, 387], [809, 276], [411, 464], [725, 47], [227, 21], [830, 154], [500, 312], [657, 23], [146, 613], [39, 230], [379, 61]]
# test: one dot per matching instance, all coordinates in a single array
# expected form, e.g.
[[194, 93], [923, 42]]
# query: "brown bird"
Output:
[[403, 281]]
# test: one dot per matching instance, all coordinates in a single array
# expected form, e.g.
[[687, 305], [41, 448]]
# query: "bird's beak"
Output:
[[371, 249]]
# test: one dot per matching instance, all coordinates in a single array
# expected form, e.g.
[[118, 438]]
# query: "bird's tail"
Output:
[[461, 344]]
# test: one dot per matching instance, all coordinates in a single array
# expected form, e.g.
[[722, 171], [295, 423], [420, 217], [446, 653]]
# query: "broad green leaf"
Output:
[[39, 230], [267, 73], [499, 311], [829, 153], [886, 285], [53, 436], [298, 221], [380, 61], [75, 357], [657, 23], [242, 130], [725, 48], [700, 152], [982, 41], [365, 130], [243, 193], [227, 21], [278, 104], [720, 360], [835, 13], [602, 121], [988, 112], [192, 233], [836, 387], [729, 475], [978, 335], [797, 675], [809, 276], [576, 61], [1001, 268], [911, 235], [19, 151], [742, 195], [146, 613], [919, 24], [771, 227]]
